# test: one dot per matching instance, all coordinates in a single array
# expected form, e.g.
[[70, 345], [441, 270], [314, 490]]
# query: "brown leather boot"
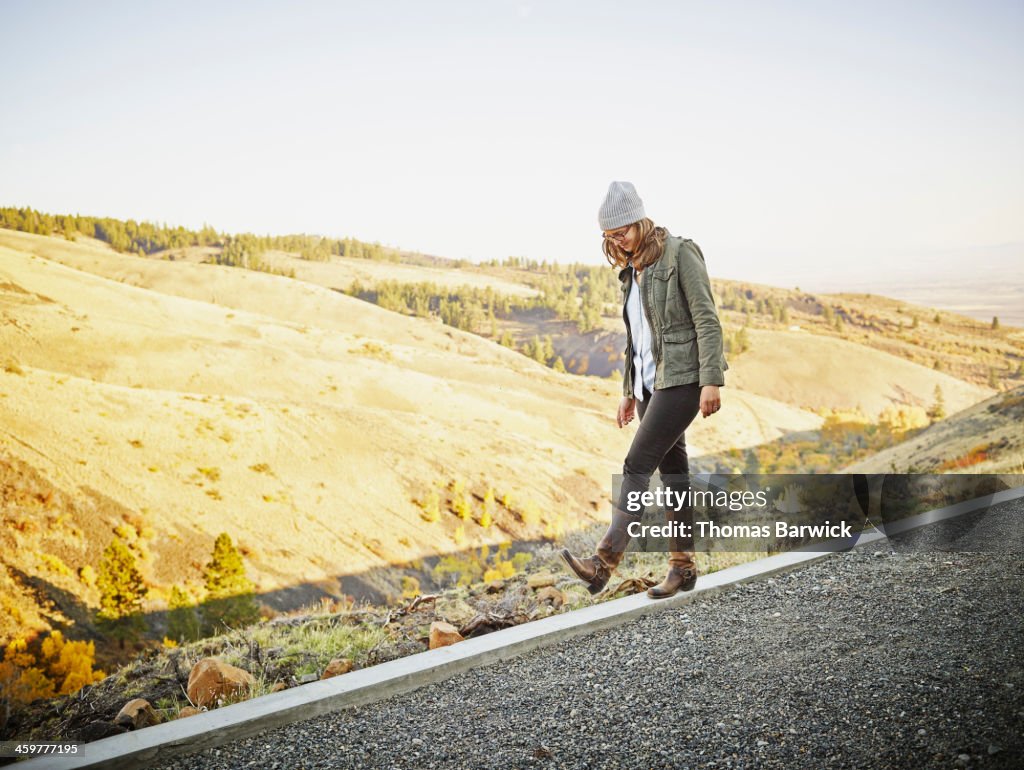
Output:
[[596, 570], [682, 571], [682, 576]]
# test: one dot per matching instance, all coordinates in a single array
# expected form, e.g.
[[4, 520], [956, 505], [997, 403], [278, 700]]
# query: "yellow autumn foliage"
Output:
[[63, 668], [70, 663], [17, 654]]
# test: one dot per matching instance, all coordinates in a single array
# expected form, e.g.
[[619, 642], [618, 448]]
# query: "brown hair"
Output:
[[652, 243]]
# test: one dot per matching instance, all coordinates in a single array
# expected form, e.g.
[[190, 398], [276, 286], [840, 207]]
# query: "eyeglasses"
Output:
[[617, 235]]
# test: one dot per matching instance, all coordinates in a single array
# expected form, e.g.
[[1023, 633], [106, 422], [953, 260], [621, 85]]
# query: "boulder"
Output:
[[211, 680], [188, 711], [336, 667], [136, 714], [442, 634]]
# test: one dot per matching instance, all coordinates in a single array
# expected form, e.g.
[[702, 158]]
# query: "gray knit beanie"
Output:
[[621, 207]]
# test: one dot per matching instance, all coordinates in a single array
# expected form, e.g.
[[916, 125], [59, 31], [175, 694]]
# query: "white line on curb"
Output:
[[140, 749]]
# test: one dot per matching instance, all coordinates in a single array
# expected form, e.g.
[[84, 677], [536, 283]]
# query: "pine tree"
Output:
[[537, 350], [182, 622], [461, 505], [431, 507], [547, 350], [487, 517], [995, 322], [121, 593], [938, 409], [229, 594]]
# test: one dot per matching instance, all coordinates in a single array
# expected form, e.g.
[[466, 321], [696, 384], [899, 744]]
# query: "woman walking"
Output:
[[674, 367]]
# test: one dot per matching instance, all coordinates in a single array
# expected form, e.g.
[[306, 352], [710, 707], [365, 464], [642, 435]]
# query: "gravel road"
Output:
[[872, 658]]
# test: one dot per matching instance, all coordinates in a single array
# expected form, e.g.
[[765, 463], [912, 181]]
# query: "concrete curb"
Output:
[[230, 723]]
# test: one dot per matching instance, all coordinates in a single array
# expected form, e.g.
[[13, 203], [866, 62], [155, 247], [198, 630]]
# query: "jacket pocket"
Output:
[[679, 351], [665, 295]]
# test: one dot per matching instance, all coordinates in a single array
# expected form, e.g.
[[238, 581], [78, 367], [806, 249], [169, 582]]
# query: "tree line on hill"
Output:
[[576, 293], [240, 250]]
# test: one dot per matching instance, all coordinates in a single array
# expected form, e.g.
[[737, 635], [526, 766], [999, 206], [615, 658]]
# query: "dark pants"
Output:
[[659, 443]]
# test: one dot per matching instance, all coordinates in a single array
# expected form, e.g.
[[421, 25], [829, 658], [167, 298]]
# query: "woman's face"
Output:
[[624, 237]]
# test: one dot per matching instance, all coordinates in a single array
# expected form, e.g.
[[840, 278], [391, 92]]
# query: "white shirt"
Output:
[[640, 331]]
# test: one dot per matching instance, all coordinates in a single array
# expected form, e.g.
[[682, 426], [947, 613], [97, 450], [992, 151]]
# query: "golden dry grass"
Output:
[[814, 371]]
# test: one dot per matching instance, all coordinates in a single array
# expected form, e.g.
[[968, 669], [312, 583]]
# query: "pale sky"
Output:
[[796, 142]]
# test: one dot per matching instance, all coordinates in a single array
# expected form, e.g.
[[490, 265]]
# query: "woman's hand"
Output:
[[626, 410], [710, 401]]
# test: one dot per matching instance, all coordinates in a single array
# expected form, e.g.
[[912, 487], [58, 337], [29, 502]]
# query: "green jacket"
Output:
[[687, 339]]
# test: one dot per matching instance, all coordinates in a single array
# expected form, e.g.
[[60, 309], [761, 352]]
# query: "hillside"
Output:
[[815, 371], [965, 348], [175, 401], [983, 438], [306, 431], [170, 400]]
